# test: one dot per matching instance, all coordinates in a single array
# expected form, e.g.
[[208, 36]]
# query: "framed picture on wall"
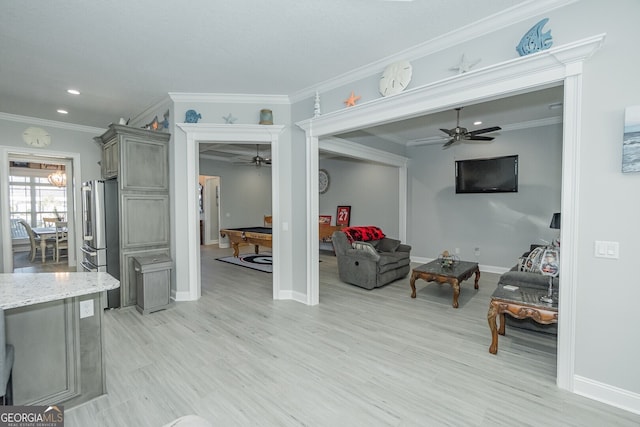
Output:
[[631, 140], [325, 219], [343, 216]]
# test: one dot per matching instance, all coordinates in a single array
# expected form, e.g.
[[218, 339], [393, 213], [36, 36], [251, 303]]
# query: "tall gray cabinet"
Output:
[[139, 160]]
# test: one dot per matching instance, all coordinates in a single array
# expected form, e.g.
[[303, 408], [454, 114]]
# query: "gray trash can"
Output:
[[153, 283]]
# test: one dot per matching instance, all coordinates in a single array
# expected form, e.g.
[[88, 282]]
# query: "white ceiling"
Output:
[[125, 56]]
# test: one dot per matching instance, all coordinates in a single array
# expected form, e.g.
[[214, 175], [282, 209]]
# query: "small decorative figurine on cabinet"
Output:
[[266, 117], [192, 116]]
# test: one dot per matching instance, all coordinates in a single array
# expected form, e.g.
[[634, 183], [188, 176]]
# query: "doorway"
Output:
[[551, 68], [190, 287], [209, 202], [27, 193]]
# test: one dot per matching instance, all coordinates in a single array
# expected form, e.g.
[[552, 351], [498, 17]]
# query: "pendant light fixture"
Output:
[[58, 178]]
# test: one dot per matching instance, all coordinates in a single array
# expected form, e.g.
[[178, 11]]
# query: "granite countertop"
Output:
[[22, 289]]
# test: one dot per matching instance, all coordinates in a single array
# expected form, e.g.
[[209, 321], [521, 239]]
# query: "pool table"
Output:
[[257, 236]]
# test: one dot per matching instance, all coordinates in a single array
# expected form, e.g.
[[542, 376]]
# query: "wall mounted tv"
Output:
[[491, 175]]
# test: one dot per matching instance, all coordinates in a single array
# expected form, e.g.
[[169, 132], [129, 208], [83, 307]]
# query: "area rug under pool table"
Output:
[[260, 262]]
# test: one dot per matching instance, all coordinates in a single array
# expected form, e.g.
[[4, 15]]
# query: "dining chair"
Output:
[[7, 357], [61, 240], [49, 221], [33, 240]]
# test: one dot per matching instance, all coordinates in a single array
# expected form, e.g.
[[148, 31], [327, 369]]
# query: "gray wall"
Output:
[[64, 138], [606, 344], [502, 225], [371, 190], [245, 192]]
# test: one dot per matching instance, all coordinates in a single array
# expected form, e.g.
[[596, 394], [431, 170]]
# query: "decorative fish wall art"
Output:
[[535, 40], [192, 116]]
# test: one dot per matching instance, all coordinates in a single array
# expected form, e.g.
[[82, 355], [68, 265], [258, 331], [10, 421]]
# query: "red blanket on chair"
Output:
[[363, 233]]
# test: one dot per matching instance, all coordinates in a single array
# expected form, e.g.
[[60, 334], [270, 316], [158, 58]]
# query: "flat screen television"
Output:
[[491, 175]]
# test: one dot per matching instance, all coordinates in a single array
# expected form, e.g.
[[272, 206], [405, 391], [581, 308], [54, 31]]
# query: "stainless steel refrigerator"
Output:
[[101, 231]]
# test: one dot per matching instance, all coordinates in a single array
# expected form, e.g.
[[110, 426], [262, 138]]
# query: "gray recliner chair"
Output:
[[371, 264]]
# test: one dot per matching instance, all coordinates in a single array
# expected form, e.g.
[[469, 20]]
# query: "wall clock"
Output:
[[36, 137], [395, 78], [323, 181]]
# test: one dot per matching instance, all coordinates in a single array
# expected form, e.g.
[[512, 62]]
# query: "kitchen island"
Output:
[[54, 321]]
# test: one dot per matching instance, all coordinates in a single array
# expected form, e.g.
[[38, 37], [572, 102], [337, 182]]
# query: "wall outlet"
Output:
[[86, 308], [477, 251]]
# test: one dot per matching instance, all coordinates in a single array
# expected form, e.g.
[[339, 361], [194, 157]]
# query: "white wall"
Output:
[[502, 225]]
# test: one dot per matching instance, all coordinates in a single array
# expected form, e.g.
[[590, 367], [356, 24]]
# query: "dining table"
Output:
[[46, 235]]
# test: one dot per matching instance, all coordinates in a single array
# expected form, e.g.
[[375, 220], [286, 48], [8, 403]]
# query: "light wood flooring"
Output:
[[361, 358], [22, 264]]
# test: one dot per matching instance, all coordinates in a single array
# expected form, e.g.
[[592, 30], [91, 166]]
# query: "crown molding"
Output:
[[551, 65], [235, 98], [51, 123], [249, 134], [490, 24], [216, 158], [346, 148], [142, 117]]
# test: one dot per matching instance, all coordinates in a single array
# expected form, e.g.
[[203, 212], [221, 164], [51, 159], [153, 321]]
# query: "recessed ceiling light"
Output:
[[61, 111], [73, 91], [478, 122]]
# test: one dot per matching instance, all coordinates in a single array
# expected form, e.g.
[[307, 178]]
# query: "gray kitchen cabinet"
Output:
[[109, 164], [139, 160]]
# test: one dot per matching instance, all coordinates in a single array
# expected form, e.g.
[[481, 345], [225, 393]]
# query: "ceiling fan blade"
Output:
[[479, 138], [448, 143], [485, 130], [449, 132]]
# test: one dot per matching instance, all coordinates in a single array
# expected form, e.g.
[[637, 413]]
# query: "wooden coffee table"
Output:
[[520, 303], [454, 275]]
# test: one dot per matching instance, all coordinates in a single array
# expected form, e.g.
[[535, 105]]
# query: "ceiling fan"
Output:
[[257, 160], [459, 133]]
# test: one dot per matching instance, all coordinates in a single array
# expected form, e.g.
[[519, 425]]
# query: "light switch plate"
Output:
[[605, 249], [86, 308]]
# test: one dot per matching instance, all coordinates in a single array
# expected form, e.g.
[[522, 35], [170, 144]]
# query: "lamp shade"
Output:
[[555, 221]]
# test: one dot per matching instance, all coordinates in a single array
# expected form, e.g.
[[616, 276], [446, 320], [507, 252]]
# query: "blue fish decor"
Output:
[[535, 40], [192, 116]]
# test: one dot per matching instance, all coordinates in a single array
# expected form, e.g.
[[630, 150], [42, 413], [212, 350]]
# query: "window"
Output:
[[33, 198]]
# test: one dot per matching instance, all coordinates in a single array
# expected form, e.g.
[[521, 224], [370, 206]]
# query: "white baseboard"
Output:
[[606, 393], [181, 296], [293, 295]]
